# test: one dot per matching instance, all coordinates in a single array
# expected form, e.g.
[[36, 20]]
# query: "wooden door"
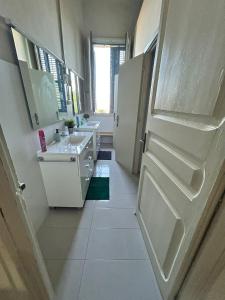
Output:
[[185, 147], [129, 85], [22, 272]]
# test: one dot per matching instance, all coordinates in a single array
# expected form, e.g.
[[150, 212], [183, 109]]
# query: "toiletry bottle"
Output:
[[42, 140], [57, 136]]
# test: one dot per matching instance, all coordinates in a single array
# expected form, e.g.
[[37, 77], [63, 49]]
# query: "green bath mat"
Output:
[[98, 189]]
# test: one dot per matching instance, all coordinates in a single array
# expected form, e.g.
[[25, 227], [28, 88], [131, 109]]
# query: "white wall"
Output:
[[72, 26], [106, 122], [147, 25], [22, 141], [39, 19], [41, 23]]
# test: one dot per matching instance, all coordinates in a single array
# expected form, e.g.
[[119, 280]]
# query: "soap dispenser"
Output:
[[57, 136]]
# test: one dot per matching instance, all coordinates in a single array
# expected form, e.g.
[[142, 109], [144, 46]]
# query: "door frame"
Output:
[[209, 257], [144, 102], [18, 224]]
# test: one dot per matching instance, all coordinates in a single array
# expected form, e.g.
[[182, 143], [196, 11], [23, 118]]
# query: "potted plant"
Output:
[[70, 124]]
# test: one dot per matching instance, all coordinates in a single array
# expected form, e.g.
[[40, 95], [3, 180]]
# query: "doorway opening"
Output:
[[107, 59]]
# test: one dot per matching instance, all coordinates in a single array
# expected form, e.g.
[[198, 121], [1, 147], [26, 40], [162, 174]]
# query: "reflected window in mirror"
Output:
[[81, 90], [62, 92], [48, 63], [77, 96]]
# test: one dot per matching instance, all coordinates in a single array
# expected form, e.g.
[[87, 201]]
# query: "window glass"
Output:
[[107, 60]]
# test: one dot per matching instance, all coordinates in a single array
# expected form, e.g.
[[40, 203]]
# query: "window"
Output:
[[49, 64], [107, 59]]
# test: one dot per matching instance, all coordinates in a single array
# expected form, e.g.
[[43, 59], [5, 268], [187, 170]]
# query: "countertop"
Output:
[[89, 126], [64, 150]]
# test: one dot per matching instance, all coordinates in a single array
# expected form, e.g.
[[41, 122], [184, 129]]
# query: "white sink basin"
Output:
[[92, 123], [76, 140]]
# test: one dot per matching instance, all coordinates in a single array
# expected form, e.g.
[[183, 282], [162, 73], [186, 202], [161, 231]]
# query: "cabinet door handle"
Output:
[[87, 179], [87, 165]]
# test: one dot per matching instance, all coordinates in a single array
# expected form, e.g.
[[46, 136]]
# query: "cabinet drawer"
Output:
[[86, 167]]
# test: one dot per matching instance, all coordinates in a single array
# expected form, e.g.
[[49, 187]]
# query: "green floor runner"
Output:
[[98, 189]]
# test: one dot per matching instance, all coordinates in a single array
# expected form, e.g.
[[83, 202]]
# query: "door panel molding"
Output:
[[164, 249], [182, 166], [180, 134]]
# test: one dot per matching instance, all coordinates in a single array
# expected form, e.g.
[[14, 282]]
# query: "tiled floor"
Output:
[[98, 253]]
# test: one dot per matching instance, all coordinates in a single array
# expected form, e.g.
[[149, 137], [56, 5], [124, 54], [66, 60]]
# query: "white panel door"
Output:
[[185, 148], [129, 85], [22, 272]]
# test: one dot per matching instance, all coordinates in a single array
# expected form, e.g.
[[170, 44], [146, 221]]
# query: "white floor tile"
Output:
[[102, 169], [70, 217], [98, 252], [116, 244], [90, 204], [120, 187], [114, 218], [63, 243], [66, 277], [118, 280], [121, 201]]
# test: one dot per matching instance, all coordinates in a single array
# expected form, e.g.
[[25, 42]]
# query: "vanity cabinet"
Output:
[[67, 177], [86, 167]]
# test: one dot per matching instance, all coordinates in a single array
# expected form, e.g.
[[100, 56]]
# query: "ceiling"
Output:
[[110, 18]]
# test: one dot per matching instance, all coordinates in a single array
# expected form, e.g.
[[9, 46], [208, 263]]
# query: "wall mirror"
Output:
[[53, 91]]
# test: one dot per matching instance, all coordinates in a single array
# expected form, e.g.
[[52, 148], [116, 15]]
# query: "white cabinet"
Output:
[[86, 167], [67, 177]]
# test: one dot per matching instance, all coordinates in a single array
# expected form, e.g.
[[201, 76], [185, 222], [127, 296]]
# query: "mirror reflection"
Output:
[[53, 91]]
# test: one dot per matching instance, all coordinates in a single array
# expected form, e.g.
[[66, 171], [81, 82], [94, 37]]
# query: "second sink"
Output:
[[76, 140]]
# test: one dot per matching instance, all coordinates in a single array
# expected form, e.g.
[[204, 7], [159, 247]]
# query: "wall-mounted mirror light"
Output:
[[53, 92]]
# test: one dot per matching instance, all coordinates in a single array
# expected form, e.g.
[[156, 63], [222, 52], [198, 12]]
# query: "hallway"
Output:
[[98, 252]]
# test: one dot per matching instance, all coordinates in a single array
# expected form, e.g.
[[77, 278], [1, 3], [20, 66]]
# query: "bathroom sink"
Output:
[[67, 148], [76, 140], [92, 123]]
